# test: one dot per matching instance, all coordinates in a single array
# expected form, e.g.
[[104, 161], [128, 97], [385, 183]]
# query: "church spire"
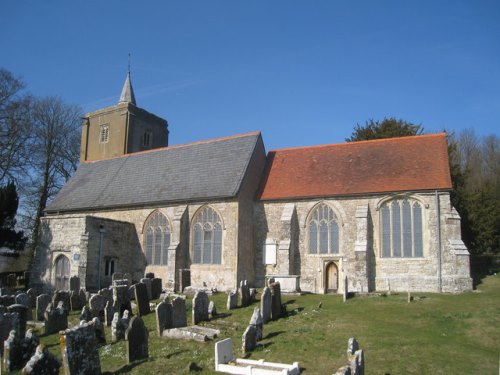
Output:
[[127, 95]]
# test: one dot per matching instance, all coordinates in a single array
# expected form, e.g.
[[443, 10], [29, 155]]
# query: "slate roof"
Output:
[[353, 168], [198, 171]]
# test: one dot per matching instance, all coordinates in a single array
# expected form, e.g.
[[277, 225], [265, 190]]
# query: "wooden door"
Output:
[[62, 273], [332, 278]]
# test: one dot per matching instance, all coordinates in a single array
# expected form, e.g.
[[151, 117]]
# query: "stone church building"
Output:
[[212, 213]]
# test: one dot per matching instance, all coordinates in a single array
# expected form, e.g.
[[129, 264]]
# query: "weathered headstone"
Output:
[[244, 293], [23, 314], [179, 312], [200, 307], [137, 340], [275, 300], [117, 333], [156, 288], [42, 301], [253, 295], [249, 339], [212, 310], [141, 297], [42, 362], [79, 350], [31, 292], [56, 319], [18, 351], [24, 299], [116, 276], [256, 320], [97, 303], [163, 317], [86, 315], [62, 295], [77, 299], [100, 334], [232, 300], [8, 322], [7, 300], [108, 313], [11, 280], [266, 305], [149, 275], [345, 295], [121, 298], [74, 284], [147, 282]]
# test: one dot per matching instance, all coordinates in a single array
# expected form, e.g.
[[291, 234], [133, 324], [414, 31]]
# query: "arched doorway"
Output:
[[332, 278], [62, 273]]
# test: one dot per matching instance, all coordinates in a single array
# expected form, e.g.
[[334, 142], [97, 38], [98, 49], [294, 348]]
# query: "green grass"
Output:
[[436, 334]]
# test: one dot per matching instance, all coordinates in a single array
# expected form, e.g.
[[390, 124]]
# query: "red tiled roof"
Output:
[[378, 166]]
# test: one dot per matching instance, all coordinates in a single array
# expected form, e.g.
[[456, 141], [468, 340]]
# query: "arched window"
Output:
[[156, 239], [323, 231], [401, 229], [62, 268], [207, 237]]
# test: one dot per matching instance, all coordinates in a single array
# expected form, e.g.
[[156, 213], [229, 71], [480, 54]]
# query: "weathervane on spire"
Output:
[[127, 95], [129, 63]]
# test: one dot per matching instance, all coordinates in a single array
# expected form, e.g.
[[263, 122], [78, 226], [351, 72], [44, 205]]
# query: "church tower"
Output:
[[121, 129]]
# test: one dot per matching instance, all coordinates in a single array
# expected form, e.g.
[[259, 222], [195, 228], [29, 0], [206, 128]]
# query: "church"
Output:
[[360, 216]]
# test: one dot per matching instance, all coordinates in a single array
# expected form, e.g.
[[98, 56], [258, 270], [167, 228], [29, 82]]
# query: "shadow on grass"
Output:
[[482, 266], [273, 334], [289, 302], [176, 353], [221, 316], [126, 368]]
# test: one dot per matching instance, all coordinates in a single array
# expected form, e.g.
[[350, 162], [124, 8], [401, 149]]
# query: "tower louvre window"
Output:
[[104, 133]]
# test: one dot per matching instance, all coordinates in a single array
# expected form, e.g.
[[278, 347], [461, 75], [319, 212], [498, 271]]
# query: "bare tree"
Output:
[[54, 154], [15, 127]]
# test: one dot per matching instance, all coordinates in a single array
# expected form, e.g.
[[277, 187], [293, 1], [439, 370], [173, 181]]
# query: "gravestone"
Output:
[[265, 305], [74, 284], [79, 350], [86, 315], [108, 313], [8, 322], [149, 275], [253, 295], [18, 351], [126, 319], [62, 295], [116, 276], [200, 307], [345, 295], [212, 310], [42, 301], [31, 292], [141, 297], [244, 293], [97, 303], [163, 317], [100, 334], [232, 300], [42, 362], [78, 299], [147, 282], [156, 288], [7, 300], [56, 319], [23, 313], [127, 276], [179, 312], [121, 298], [11, 280], [256, 320], [137, 340], [249, 339], [25, 300], [275, 300]]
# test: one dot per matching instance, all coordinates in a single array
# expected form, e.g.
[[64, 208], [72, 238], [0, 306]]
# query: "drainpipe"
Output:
[[438, 219], [101, 237]]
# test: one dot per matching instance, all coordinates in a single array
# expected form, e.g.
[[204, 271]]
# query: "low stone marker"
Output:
[[249, 339], [265, 305], [200, 307], [79, 350], [141, 297], [179, 318], [119, 326], [42, 362], [244, 293], [257, 322], [196, 333], [42, 301], [253, 295], [275, 300], [137, 340], [232, 300], [56, 319], [355, 359], [212, 310]]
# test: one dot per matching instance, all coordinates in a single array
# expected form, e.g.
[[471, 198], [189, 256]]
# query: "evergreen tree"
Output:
[[387, 128], [9, 202]]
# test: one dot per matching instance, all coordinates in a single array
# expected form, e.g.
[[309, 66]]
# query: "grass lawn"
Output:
[[435, 334]]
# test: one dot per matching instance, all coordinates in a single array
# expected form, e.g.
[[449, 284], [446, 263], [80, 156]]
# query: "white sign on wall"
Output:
[[270, 251]]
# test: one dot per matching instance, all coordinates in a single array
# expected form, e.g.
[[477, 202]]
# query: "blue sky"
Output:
[[302, 72]]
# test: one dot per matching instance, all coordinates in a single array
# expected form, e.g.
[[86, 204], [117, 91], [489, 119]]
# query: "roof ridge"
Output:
[[257, 132], [430, 135]]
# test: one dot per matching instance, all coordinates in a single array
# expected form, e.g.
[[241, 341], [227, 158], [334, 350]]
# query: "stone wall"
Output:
[[359, 255]]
